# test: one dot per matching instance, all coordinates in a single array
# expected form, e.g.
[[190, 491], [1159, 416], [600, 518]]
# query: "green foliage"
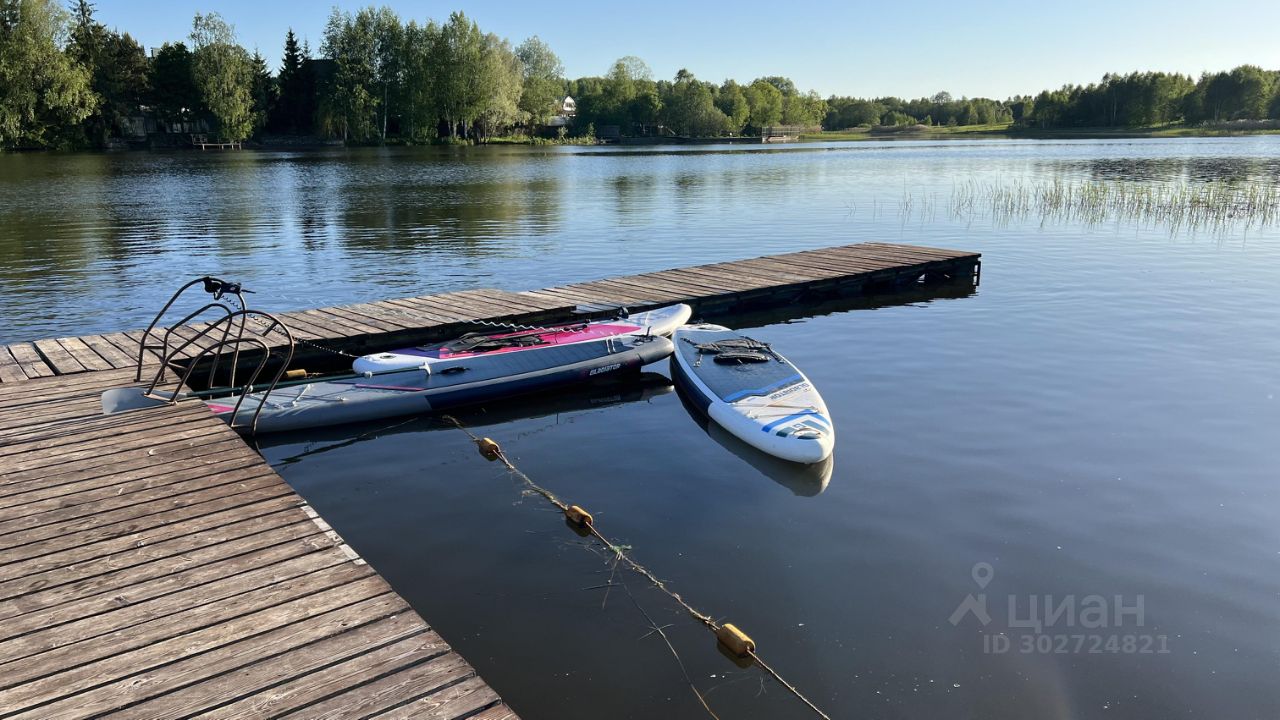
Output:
[[348, 101], [543, 81], [500, 82], [265, 91], [764, 100], [806, 110], [224, 76], [732, 101], [691, 109], [894, 118], [418, 97], [1244, 93], [458, 57], [118, 69], [44, 93], [174, 95], [1155, 98], [538, 61], [295, 83], [388, 61], [941, 109], [783, 84]]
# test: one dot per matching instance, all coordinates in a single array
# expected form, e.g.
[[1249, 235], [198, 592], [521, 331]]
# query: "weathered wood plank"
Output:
[[180, 428], [113, 356], [33, 511], [426, 313], [371, 698], [497, 712], [132, 511], [268, 489], [109, 546], [29, 359], [256, 665], [98, 430], [519, 301], [354, 672], [337, 326], [379, 324], [623, 293], [30, 683], [177, 612], [10, 369], [84, 465], [127, 565], [89, 475], [460, 700], [62, 362], [83, 354], [86, 600]]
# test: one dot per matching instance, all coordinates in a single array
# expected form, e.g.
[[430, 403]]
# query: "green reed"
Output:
[[1217, 206]]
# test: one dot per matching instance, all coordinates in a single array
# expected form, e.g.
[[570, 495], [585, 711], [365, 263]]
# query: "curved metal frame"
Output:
[[165, 355], [216, 350], [231, 320]]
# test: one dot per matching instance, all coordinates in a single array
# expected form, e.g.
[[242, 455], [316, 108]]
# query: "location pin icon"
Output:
[[982, 574]]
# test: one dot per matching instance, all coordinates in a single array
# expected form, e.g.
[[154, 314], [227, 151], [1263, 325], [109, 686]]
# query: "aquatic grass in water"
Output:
[[1217, 206]]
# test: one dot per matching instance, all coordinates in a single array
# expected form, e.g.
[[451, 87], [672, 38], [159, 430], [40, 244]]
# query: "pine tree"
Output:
[[264, 91], [290, 106]]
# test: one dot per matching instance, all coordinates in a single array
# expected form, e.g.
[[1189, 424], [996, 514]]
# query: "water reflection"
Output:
[[803, 480], [641, 387], [79, 233], [1191, 169]]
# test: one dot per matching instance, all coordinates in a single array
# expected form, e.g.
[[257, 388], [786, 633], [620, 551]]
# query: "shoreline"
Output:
[[1003, 131], [1008, 130]]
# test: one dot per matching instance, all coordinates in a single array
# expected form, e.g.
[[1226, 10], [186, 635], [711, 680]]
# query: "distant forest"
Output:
[[68, 81]]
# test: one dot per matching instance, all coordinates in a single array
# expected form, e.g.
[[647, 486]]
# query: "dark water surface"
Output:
[[1098, 419]]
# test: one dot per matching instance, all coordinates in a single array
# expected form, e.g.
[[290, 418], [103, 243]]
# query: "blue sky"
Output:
[[910, 49]]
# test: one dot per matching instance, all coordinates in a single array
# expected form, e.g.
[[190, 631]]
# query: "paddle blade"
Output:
[[117, 400]]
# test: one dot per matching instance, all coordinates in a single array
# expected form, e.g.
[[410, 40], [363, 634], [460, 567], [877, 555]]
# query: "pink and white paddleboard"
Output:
[[661, 321]]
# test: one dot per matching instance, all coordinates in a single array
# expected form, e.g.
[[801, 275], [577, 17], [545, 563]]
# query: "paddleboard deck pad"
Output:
[[661, 321], [753, 392]]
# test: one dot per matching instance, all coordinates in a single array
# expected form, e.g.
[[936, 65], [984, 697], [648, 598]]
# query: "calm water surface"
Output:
[[1097, 419]]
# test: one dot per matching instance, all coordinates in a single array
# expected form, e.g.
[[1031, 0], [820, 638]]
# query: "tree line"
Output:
[[66, 80], [1138, 99], [1154, 98]]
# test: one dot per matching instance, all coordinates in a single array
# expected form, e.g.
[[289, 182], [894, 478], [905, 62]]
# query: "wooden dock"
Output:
[[204, 143], [155, 566], [719, 288]]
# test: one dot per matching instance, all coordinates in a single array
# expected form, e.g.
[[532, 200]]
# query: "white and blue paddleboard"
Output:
[[753, 392]]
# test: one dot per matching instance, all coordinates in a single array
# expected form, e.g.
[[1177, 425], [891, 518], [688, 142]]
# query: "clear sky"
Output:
[[910, 49]]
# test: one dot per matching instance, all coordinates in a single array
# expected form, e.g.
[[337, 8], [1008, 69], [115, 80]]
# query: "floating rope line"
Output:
[[731, 637]]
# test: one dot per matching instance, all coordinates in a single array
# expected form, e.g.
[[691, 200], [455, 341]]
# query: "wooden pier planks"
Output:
[[152, 565], [365, 322]]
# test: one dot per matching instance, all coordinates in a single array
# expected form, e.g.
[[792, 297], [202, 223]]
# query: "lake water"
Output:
[[1095, 425]]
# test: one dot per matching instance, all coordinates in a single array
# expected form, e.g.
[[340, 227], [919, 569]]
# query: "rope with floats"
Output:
[[728, 635]]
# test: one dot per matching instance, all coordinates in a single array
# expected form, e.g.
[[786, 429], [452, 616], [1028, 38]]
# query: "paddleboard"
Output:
[[660, 321], [753, 392], [450, 383]]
